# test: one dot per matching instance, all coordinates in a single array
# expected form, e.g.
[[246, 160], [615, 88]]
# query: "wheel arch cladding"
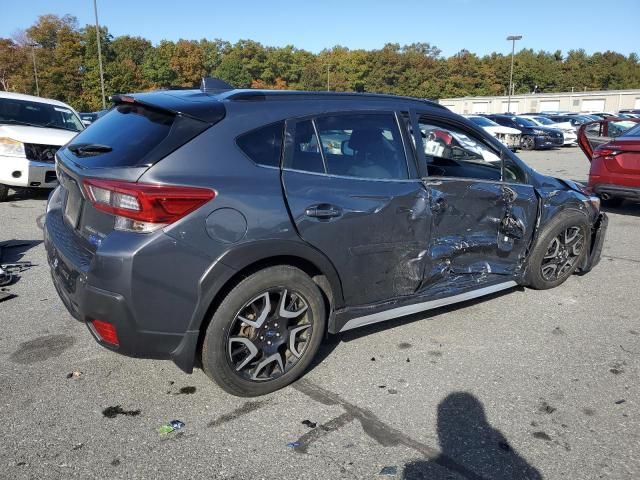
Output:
[[321, 272]]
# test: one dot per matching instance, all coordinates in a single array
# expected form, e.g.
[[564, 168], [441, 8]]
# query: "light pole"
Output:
[[329, 65], [35, 69], [95, 10], [512, 38]]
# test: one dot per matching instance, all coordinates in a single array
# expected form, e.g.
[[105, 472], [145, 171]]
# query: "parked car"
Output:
[[599, 115], [215, 227], [532, 136], [31, 131], [508, 136], [568, 131], [574, 119], [635, 111], [89, 117], [614, 152]]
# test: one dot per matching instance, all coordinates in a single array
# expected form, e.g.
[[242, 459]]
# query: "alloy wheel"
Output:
[[562, 253], [269, 335], [528, 143]]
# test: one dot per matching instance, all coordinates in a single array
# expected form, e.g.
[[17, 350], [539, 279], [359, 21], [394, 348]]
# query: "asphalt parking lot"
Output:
[[525, 384]]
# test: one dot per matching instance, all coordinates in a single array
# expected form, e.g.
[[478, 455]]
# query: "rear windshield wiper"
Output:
[[89, 149]]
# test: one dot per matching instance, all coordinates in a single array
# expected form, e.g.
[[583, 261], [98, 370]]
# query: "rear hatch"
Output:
[[98, 170]]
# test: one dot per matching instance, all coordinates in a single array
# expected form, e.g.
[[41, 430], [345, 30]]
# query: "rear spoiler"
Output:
[[190, 103]]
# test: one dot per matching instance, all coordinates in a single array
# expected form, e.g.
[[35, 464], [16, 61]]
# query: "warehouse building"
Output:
[[596, 101]]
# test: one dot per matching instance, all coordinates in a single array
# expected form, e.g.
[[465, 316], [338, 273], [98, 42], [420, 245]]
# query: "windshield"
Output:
[[633, 132], [38, 114], [525, 122], [543, 120], [483, 122]]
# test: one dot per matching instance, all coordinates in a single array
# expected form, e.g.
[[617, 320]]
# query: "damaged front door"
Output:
[[482, 217]]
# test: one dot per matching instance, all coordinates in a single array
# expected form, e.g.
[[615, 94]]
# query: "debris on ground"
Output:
[[546, 408], [389, 471], [392, 391], [113, 412], [77, 446], [309, 423], [504, 446], [408, 360], [172, 426], [5, 294], [74, 374], [293, 444], [541, 436], [373, 359], [187, 390], [619, 402]]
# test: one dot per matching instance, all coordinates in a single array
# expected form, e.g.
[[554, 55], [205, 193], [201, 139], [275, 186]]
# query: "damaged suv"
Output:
[[237, 228]]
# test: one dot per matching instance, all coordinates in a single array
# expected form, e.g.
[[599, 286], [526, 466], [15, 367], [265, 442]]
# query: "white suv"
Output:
[[31, 131]]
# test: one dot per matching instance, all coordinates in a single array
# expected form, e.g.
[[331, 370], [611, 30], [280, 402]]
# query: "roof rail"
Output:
[[211, 84], [260, 95]]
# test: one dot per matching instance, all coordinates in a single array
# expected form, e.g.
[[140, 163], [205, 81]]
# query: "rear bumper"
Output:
[[24, 173], [599, 230], [617, 191], [155, 315]]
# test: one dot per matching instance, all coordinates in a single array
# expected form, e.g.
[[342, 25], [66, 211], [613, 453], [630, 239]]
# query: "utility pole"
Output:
[[95, 10], [329, 65], [35, 69], [512, 38]]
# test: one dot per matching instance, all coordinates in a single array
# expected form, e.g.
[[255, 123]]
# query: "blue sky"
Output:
[[477, 25]]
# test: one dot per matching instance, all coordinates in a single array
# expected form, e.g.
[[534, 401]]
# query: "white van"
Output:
[[31, 131]]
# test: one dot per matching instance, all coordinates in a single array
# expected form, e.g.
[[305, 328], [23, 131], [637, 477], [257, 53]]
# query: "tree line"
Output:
[[66, 59]]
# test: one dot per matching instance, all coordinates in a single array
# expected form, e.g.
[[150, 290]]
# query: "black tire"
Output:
[[217, 356], [4, 192], [528, 143], [538, 276], [612, 202]]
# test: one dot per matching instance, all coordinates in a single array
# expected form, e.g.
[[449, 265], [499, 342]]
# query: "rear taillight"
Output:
[[106, 332], [143, 207], [605, 152]]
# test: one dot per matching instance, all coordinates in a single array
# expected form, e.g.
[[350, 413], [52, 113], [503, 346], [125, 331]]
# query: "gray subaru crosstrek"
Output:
[[237, 228]]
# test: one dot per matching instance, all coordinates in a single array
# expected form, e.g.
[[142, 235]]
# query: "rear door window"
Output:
[[363, 146], [305, 152]]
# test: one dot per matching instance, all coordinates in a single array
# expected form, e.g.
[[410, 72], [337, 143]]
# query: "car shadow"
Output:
[[12, 251], [332, 341], [626, 208], [29, 193], [470, 447]]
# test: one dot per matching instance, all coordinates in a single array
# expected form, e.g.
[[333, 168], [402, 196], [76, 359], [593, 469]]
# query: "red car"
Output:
[[613, 148]]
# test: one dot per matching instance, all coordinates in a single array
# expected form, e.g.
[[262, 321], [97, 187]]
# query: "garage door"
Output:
[[549, 105], [593, 105], [480, 107], [514, 108]]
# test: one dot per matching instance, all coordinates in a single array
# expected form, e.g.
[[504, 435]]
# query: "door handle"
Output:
[[323, 211]]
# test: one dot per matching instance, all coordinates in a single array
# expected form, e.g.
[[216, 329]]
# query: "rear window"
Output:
[[263, 145], [132, 132]]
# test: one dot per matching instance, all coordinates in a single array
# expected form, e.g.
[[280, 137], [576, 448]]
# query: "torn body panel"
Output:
[[479, 228]]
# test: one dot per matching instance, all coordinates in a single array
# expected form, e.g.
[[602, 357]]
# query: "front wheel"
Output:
[[559, 250], [265, 333]]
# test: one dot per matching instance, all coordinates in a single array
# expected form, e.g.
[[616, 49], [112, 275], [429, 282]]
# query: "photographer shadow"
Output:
[[470, 447]]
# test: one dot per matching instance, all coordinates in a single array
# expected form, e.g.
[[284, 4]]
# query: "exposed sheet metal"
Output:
[[420, 307]]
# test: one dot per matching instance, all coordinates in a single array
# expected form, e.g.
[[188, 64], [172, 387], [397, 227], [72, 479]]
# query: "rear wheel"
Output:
[[559, 250], [265, 333], [4, 192]]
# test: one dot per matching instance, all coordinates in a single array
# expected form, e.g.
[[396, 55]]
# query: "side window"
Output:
[[306, 154], [263, 145], [453, 153], [363, 145]]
